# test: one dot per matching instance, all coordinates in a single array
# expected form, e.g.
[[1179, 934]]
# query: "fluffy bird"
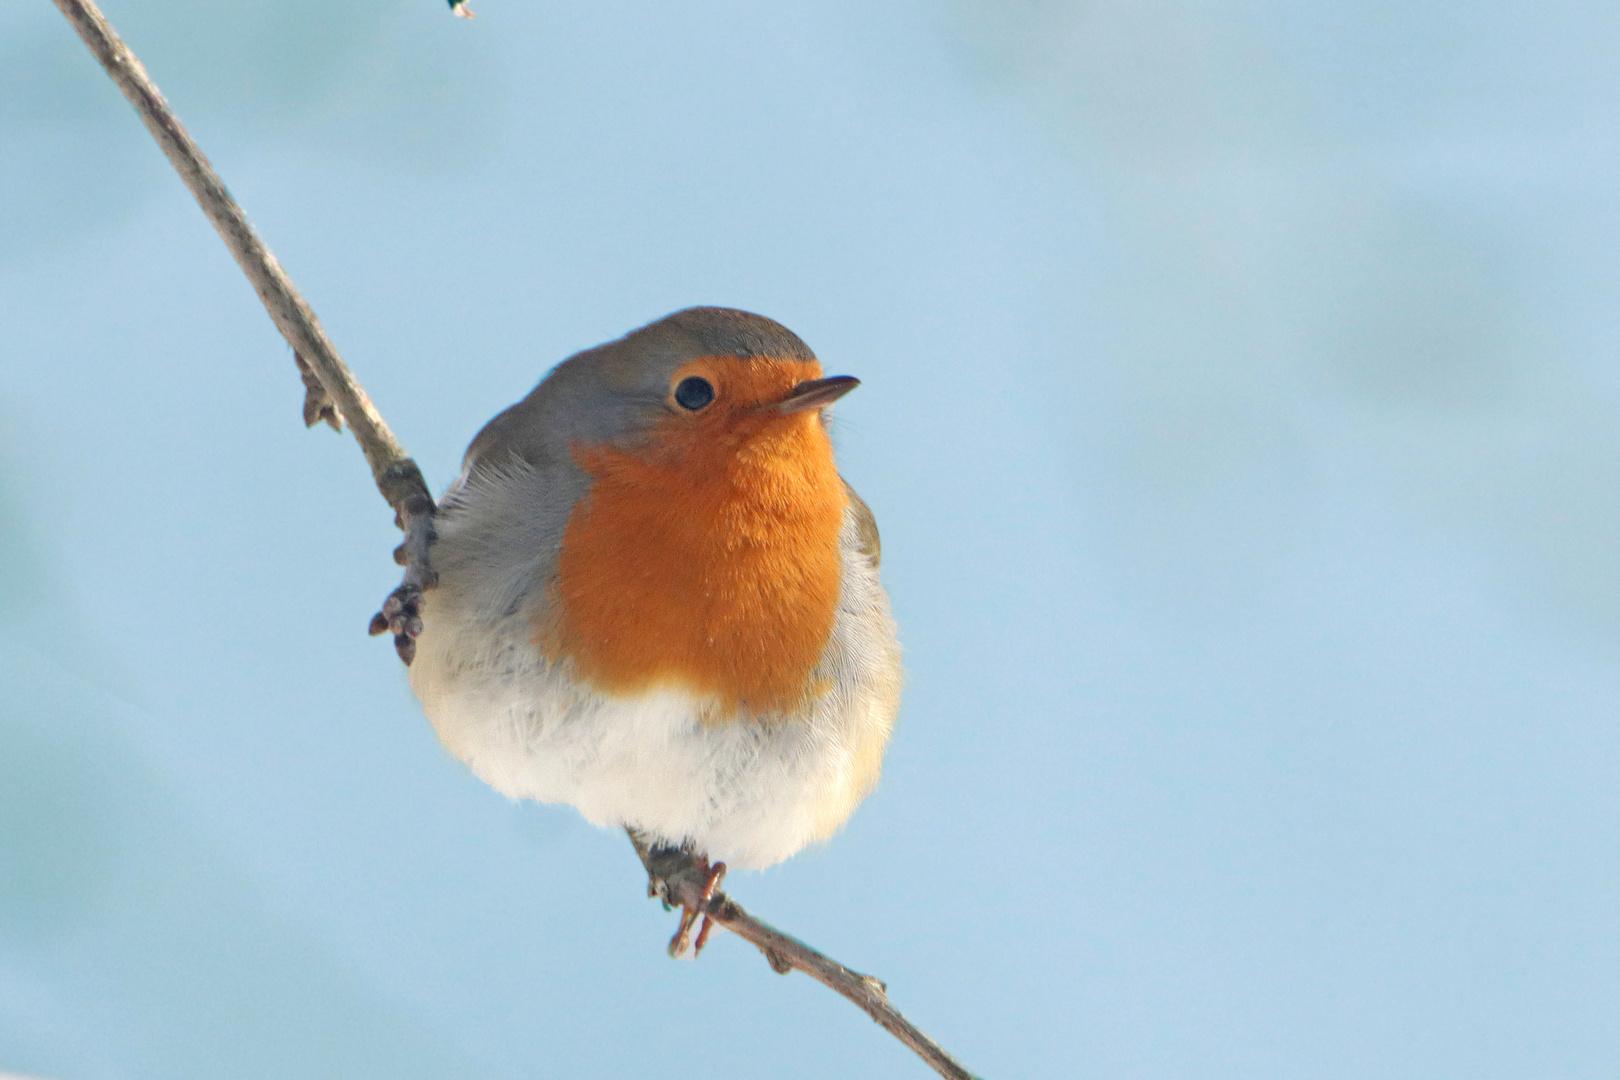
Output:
[[657, 600]]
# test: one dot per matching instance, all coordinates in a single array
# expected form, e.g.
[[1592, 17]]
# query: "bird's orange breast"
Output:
[[709, 562]]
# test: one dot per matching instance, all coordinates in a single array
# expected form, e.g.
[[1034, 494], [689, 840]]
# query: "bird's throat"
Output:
[[711, 566]]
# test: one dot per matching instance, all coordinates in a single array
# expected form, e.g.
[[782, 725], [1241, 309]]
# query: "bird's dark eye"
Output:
[[693, 393]]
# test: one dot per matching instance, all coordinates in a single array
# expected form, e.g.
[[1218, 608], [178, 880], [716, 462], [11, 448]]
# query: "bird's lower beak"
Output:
[[814, 393]]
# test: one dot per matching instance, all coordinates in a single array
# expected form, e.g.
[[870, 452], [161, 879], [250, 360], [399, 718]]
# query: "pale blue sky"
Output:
[[1240, 410]]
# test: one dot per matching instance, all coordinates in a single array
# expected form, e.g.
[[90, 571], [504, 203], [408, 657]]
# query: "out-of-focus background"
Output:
[[1240, 410]]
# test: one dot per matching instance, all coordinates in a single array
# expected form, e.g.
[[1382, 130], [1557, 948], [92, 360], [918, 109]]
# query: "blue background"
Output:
[[1240, 410]]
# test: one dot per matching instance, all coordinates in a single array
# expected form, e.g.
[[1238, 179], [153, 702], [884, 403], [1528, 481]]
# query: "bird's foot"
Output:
[[401, 613], [711, 884], [684, 879]]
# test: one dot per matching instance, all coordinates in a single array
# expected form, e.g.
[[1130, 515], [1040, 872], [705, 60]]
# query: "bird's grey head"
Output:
[[617, 392]]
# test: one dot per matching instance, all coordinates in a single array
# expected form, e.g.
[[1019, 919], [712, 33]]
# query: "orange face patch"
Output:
[[709, 559]]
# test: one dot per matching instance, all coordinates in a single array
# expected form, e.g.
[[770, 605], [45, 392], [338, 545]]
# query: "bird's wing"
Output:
[[867, 540]]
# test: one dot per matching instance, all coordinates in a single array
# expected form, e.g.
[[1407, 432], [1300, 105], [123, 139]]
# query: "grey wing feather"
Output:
[[867, 540]]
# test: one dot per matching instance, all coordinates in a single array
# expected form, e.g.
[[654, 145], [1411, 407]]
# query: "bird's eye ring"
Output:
[[694, 393]]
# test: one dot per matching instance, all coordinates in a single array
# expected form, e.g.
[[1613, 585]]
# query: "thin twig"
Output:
[[680, 880], [396, 474], [786, 953], [401, 483]]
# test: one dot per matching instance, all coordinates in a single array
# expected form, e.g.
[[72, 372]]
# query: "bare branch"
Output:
[[681, 880], [329, 385], [396, 474], [786, 953]]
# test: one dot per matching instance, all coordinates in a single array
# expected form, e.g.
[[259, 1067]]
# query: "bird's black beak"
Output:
[[815, 393]]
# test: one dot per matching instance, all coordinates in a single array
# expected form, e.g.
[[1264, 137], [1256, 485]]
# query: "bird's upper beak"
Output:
[[814, 393]]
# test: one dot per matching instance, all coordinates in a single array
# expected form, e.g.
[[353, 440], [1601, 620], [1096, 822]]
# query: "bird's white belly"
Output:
[[747, 792]]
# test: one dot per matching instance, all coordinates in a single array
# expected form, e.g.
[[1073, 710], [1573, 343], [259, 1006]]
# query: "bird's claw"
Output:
[[681, 878], [401, 613], [689, 915]]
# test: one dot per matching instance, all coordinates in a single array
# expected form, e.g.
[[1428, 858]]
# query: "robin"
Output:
[[657, 600]]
